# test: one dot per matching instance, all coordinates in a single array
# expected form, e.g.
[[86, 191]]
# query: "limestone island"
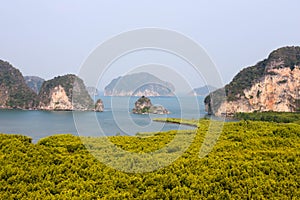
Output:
[[144, 106], [62, 93], [270, 85], [99, 107]]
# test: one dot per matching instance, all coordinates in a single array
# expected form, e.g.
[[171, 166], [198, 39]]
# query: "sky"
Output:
[[50, 38]]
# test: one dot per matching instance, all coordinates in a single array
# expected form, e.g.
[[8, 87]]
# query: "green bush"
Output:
[[251, 160]]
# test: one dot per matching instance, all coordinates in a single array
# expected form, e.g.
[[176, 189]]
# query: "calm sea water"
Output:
[[116, 118]]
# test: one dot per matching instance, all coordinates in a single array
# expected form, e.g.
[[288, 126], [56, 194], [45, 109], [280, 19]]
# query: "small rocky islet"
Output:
[[144, 106]]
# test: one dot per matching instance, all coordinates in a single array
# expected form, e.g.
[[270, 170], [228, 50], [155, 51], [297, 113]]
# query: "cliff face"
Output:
[[61, 93], [14, 93], [65, 93], [139, 84], [271, 85], [99, 107]]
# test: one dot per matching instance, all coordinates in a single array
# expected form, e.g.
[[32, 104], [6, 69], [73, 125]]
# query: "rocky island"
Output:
[[144, 106], [66, 93], [61, 93], [202, 91], [99, 106], [270, 85]]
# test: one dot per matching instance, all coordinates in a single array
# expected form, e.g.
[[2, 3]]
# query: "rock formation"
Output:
[[14, 93], [270, 85], [139, 84], [65, 93], [61, 93], [35, 83], [144, 106], [99, 107]]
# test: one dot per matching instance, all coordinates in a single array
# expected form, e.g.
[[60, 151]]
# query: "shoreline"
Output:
[[175, 121]]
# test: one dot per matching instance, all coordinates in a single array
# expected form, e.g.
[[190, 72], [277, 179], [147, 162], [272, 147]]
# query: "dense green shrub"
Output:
[[279, 117], [251, 160]]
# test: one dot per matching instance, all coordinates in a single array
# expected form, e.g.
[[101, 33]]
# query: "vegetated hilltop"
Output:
[[251, 160], [66, 92], [34, 82], [14, 93], [270, 85], [139, 84]]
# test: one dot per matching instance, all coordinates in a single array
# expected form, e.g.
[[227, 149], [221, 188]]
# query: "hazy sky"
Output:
[[50, 38]]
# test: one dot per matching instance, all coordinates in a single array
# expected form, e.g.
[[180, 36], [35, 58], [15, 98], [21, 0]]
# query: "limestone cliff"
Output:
[[99, 107], [270, 85], [144, 106], [65, 93], [14, 93]]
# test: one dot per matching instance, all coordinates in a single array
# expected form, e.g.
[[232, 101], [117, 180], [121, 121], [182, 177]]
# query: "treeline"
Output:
[[251, 160], [279, 117]]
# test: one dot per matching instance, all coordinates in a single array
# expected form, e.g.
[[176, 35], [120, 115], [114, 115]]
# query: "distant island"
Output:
[[92, 91], [270, 85], [34, 82], [202, 91], [139, 84]]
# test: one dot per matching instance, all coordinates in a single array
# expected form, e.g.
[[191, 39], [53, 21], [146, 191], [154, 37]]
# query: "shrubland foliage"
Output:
[[280, 117], [251, 160]]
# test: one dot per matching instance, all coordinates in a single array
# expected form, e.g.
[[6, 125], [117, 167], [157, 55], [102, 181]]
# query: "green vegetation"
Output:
[[13, 89], [288, 56], [280, 117], [74, 88], [67, 82], [251, 160], [145, 110], [193, 122], [244, 80]]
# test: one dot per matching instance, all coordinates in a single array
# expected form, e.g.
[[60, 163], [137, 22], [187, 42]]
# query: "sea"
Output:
[[117, 118]]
